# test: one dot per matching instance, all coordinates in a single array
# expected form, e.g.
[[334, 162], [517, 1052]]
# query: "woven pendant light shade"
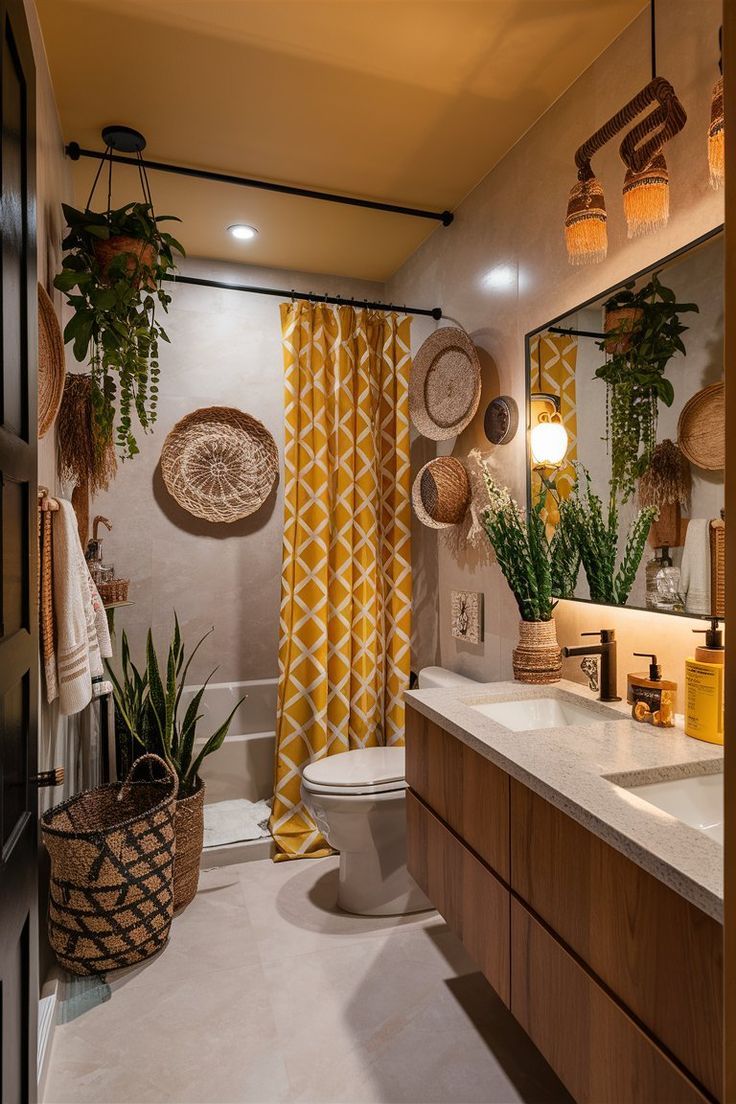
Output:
[[586, 235], [647, 197], [716, 136], [219, 463]]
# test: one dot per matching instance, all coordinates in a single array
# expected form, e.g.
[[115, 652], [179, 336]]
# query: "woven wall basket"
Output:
[[445, 384], [219, 463], [51, 365], [441, 493], [701, 430]]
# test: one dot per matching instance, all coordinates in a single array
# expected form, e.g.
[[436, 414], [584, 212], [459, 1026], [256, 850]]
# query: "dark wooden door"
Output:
[[18, 545]]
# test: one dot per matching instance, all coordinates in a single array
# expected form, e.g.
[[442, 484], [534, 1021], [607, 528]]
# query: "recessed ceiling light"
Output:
[[242, 232]]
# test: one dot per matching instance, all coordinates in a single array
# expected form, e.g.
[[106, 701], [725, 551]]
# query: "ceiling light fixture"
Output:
[[242, 232]]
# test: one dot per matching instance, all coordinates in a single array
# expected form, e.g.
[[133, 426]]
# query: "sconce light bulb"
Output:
[[549, 441]]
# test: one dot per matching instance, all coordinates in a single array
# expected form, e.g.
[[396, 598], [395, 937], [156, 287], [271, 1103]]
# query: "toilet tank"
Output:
[[430, 677]]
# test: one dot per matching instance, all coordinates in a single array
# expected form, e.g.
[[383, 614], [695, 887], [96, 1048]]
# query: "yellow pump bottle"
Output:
[[704, 688]]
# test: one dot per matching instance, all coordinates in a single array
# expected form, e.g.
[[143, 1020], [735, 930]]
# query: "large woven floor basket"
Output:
[[112, 862], [189, 840]]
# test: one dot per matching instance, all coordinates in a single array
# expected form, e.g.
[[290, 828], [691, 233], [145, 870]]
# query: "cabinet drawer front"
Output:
[[658, 953], [464, 789], [600, 1054], [472, 901]]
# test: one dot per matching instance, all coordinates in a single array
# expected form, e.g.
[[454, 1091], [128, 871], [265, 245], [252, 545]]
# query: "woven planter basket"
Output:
[[701, 429], [537, 657], [189, 825], [219, 463], [441, 493], [142, 252], [112, 860], [625, 320], [51, 365]]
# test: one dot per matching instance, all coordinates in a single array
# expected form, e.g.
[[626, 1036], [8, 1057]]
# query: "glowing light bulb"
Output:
[[549, 441]]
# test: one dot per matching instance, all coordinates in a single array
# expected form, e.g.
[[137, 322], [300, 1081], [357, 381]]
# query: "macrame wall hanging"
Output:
[[646, 184]]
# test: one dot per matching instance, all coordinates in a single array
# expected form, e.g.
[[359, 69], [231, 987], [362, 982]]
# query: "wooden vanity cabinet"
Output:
[[465, 790], [658, 953], [615, 977]]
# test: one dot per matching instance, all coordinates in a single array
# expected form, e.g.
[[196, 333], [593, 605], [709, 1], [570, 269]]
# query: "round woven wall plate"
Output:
[[441, 493], [219, 463], [701, 429], [51, 365], [444, 386]]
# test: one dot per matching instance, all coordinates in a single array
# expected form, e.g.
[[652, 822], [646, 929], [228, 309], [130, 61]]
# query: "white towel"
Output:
[[695, 570], [82, 636]]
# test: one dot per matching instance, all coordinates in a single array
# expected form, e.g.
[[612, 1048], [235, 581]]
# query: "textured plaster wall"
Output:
[[225, 351], [511, 226]]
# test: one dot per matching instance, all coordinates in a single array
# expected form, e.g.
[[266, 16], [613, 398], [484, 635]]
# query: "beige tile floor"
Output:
[[267, 993]]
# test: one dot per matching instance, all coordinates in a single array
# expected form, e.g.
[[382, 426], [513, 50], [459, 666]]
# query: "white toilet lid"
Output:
[[375, 767]]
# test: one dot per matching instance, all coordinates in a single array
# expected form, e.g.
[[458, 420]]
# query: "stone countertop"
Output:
[[571, 767]]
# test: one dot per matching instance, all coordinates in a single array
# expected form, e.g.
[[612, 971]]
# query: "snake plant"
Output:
[[149, 707]]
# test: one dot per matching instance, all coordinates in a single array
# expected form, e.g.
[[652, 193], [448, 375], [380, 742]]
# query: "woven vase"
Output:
[[189, 829], [537, 657]]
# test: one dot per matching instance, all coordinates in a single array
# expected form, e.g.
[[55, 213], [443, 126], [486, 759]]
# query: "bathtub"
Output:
[[243, 766]]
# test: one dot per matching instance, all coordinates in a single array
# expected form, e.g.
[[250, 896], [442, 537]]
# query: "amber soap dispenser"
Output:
[[704, 687], [652, 697]]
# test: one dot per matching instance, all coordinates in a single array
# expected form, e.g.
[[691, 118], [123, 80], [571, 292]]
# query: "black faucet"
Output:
[[607, 651]]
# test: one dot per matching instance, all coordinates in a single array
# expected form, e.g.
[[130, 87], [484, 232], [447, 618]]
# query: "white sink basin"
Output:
[[534, 713], [697, 801]]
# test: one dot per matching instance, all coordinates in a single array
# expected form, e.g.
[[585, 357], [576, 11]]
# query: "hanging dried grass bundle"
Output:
[[667, 480], [84, 458]]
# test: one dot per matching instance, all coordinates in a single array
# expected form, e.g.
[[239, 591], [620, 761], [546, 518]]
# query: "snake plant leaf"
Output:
[[215, 741]]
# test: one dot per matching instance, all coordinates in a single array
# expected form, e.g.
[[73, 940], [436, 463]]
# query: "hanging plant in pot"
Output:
[[643, 331], [112, 275], [148, 707], [532, 564]]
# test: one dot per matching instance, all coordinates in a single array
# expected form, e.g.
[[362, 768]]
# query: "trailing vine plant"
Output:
[[112, 275], [643, 345]]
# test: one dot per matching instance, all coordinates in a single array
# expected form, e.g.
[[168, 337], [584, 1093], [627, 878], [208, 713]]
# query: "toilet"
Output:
[[358, 801]]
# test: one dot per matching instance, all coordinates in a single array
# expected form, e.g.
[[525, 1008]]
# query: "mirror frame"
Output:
[[528, 337]]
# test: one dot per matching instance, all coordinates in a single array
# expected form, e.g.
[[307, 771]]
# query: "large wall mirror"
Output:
[[626, 438]]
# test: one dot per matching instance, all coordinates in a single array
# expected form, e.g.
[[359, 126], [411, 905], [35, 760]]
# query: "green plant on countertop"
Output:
[[594, 531], [634, 375], [112, 271], [149, 708], [533, 566]]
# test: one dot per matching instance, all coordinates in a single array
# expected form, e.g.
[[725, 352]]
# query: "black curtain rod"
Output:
[[337, 300], [575, 333], [74, 151]]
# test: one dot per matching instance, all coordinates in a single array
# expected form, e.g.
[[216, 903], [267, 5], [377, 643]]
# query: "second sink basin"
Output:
[[528, 714], [697, 801]]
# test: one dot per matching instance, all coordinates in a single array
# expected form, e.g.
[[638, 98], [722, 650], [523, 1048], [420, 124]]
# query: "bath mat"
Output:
[[235, 821]]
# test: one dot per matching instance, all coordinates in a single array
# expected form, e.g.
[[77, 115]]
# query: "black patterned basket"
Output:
[[112, 862]]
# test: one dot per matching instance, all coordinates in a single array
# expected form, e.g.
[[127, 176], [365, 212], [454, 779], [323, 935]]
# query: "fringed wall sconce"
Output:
[[716, 131], [646, 185]]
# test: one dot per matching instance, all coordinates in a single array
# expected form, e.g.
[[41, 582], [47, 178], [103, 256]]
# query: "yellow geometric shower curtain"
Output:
[[344, 648], [553, 361]]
